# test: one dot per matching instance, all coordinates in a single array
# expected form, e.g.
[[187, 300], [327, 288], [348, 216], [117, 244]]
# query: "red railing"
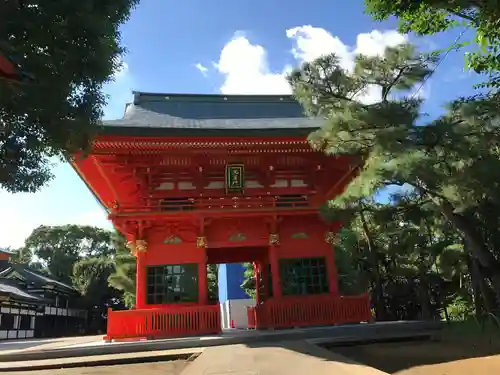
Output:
[[217, 204], [172, 321], [252, 318], [306, 311]]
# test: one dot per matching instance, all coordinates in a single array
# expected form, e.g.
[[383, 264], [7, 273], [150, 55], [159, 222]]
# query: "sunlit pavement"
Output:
[[91, 345], [43, 344]]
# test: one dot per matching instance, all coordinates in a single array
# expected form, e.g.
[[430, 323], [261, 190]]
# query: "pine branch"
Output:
[[386, 90]]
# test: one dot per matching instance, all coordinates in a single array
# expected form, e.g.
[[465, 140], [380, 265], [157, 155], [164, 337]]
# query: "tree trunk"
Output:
[[423, 293], [476, 281], [379, 293], [446, 315], [476, 246], [489, 296]]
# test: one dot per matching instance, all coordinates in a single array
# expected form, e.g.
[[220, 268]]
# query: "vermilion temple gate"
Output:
[[199, 179]]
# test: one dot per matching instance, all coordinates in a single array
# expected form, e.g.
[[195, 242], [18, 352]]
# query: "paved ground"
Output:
[[13, 346], [460, 356], [101, 360], [87, 346], [289, 358], [159, 368], [457, 353]]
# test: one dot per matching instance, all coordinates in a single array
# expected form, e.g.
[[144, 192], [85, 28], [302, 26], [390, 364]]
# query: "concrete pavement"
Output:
[[101, 360], [27, 345], [288, 358], [359, 333]]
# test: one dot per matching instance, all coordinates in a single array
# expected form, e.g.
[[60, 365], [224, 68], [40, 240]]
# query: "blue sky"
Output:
[[241, 46]]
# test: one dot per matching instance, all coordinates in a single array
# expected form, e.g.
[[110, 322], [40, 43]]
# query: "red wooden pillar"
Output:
[[332, 271], [275, 270], [265, 280], [203, 279], [256, 268], [140, 281]]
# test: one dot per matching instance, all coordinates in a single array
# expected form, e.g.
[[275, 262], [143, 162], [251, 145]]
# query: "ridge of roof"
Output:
[[204, 114], [142, 96], [24, 269], [11, 287], [48, 279]]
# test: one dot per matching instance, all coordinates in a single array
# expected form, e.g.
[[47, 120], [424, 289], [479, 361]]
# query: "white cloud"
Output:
[[313, 42], [246, 69], [375, 42], [202, 68]]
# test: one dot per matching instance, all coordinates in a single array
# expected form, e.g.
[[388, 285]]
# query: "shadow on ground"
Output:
[[406, 356], [397, 357]]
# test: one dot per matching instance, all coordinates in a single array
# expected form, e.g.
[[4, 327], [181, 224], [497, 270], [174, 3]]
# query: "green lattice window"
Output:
[[303, 276], [173, 283]]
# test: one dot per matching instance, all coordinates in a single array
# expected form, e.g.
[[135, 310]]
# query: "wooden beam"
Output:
[[106, 179]]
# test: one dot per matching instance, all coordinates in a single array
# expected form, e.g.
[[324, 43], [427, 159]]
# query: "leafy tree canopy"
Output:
[[432, 16], [59, 248], [446, 162], [124, 274], [69, 49]]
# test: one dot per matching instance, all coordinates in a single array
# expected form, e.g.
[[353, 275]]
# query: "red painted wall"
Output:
[[244, 236], [300, 226], [237, 232], [160, 253]]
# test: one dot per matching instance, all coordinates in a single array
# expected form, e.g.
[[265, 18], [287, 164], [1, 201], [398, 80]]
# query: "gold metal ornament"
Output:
[[274, 239], [330, 237], [141, 246], [201, 242], [137, 246]]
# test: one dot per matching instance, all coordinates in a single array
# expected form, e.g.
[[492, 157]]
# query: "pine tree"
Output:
[[123, 277], [447, 162]]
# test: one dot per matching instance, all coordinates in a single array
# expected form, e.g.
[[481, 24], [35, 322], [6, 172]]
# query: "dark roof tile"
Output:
[[31, 276], [180, 111], [9, 287]]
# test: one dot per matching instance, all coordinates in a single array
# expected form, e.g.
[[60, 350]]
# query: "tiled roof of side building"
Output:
[[8, 287], [171, 112], [33, 277]]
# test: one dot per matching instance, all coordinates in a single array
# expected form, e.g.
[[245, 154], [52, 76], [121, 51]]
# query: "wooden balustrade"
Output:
[[171, 321], [286, 312], [219, 204], [303, 311]]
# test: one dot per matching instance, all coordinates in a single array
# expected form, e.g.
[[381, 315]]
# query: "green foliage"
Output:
[[124, 275], [248, 284], [440, 172], [81, 256], [349, 265], [90, 278], [77, 255], [429, 17], [213, 282], [70, 49], [59, 248], [460, 309]]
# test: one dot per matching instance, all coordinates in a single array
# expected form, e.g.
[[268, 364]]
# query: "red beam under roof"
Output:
[[7, 68]]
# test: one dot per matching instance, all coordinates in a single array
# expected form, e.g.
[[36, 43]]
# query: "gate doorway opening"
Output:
[[237, 272]]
